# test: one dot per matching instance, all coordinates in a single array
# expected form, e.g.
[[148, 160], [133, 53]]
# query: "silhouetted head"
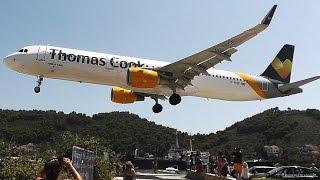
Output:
[[245, 165], [128, 165], [52, 168]]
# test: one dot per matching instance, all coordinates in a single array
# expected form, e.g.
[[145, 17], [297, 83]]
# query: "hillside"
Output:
[[287, 129], [123, 132]]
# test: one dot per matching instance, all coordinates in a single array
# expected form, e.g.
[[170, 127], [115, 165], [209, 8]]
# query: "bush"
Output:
[[20, 168], [102, 170]]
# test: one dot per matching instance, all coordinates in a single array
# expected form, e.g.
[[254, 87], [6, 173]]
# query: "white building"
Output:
[[272, 150], [309, 149]]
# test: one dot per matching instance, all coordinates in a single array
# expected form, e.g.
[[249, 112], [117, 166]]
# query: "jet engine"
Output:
[[124, 96], [142, 78]]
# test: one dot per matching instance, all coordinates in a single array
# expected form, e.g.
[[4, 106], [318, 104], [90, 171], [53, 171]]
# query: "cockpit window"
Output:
[[23, 50]]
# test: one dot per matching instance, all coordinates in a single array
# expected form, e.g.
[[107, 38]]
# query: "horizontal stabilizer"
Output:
[[289, 86]]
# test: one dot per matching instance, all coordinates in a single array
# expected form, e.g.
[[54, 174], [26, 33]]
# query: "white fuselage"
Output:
[[106, 69]]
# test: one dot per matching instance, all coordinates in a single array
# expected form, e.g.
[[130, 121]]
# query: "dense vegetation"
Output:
[[122, 132], [290, 130]]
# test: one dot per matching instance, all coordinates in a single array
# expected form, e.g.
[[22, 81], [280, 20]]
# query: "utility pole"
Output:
[[190, 141], [177, 141]]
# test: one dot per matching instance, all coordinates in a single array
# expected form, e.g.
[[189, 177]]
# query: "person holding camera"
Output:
[[53, 167]]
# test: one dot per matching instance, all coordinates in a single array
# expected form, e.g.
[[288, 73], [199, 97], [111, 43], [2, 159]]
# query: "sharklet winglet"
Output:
[[267, 19]]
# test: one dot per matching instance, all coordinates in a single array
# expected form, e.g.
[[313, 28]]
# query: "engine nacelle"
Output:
[[124, 96], [142, 78]]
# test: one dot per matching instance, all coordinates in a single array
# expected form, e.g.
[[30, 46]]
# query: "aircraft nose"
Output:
[[8, 61]]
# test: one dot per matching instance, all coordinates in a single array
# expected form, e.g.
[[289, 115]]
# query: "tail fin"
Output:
[[280, 68]]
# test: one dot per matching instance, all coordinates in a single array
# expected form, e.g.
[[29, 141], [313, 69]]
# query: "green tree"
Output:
[[20, 168], [102, 170]]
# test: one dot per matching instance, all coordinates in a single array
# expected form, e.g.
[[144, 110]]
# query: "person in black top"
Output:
[[198, 163], [237, 162], [192, 160]]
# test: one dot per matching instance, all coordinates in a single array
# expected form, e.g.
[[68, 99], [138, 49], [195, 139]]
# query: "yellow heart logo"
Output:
[[282, 68]]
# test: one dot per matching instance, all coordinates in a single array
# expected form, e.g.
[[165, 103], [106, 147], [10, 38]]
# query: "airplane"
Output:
[[134, 79]]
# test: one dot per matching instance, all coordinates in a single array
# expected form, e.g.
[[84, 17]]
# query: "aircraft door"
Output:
[[41, 56]]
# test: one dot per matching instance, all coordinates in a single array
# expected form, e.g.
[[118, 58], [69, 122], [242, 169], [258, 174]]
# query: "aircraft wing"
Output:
[[289, 86], [184, 70]]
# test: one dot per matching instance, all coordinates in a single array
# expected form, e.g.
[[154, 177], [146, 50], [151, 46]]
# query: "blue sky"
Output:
[[162, 30]]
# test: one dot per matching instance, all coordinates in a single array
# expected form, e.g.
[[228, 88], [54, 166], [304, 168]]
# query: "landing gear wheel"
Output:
[[175, 99], [39, 82], [37, 89], [157, 108]]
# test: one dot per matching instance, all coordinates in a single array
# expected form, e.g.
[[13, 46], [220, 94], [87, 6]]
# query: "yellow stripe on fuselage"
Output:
[[253, 84]]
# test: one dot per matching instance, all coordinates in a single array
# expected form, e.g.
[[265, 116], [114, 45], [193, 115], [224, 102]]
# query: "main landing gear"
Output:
[[174, 99], [37, 88], [157, 107]]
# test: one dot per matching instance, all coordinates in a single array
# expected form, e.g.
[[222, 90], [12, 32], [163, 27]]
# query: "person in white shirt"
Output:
[[245, 171]]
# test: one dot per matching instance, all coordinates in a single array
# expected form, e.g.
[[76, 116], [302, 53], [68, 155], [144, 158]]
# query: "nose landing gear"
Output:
[[37, 88]]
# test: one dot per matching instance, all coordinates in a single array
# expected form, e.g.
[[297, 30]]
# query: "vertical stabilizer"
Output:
[[280, 68]]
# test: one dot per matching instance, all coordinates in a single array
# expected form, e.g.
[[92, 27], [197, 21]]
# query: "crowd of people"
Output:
[[195, 162], [220, 166], [238, 168]]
